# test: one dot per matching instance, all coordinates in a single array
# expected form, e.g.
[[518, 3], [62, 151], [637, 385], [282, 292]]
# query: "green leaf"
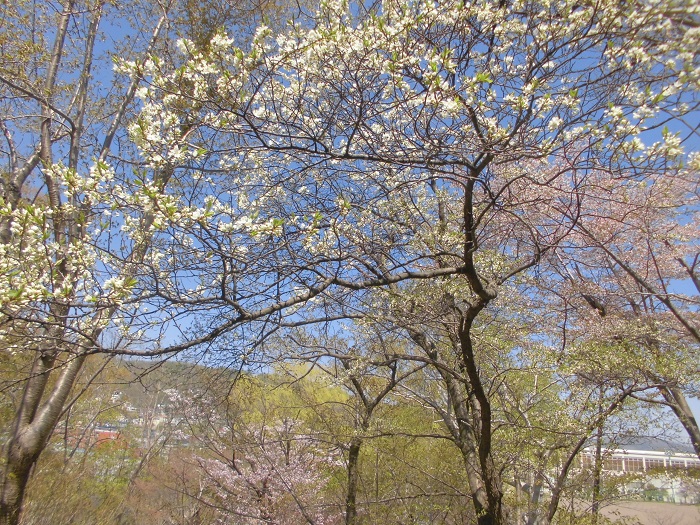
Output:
[[484, 78], [15, 294]]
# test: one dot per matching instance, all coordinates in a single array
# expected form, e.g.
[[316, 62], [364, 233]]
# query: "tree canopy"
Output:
[[448, 200]]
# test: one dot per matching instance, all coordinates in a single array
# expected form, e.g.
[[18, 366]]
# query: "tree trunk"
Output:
[[465, 437], [534, 495], [482, 423], [466, 434], [476, 485], [676, 399], [32, 428], [353, 478], [22, 454], [597, 470]]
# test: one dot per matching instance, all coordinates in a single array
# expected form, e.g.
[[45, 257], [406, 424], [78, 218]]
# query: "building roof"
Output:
[[653, 444]]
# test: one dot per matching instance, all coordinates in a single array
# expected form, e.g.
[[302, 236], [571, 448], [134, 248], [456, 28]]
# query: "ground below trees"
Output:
[[653, 513]]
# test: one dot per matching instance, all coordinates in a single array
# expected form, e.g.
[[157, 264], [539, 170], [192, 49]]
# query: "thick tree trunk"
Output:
[[467, 434], [476, 485], [464, 435], [32, 428], [533, 513], [22, 454], [482, 424]]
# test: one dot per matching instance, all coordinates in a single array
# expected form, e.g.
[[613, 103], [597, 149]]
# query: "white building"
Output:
[[659, 469]]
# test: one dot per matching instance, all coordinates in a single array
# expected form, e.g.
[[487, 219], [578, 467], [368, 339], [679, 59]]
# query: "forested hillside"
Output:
[[183, 444]]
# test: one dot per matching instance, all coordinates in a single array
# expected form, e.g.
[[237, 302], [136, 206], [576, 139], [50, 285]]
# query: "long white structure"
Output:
[[663, 469], [624, 460]]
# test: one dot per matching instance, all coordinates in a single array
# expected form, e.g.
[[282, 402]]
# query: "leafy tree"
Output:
[[455, 139], [627, 260], [56, 299], [369, 371], [460, 144], [77, 221]]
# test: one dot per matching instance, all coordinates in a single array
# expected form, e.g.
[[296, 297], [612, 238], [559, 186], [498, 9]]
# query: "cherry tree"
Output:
[[93, 247], [256, 455], [77, 217], [456, 141], [633, 267], [58, 291], [275, 481]]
